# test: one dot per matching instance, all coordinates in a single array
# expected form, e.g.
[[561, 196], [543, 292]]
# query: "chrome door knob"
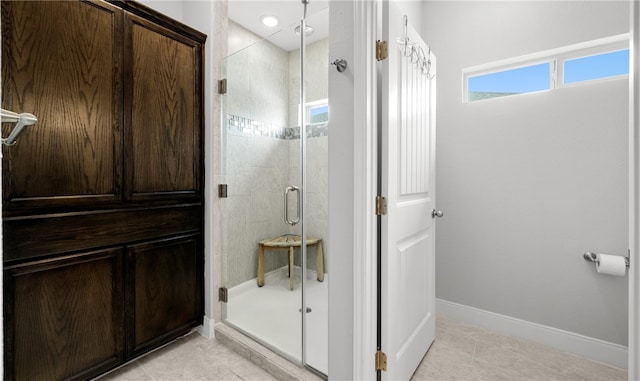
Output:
[[437, 213]]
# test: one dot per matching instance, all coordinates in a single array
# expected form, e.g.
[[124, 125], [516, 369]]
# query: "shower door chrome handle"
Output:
[[286, 205]]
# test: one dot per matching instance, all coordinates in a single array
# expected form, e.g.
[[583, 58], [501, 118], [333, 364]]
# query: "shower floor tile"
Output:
[[272, 315]]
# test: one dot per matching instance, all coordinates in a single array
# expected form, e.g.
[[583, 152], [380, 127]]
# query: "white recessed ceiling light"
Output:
[[269, 20]]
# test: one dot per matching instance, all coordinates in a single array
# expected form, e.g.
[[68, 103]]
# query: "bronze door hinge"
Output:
[[222, 86], [382, 50], [381, 361], [381, 206], [222, 191], [223, 294]]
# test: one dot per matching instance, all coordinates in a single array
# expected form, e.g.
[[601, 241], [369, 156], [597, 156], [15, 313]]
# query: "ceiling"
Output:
[[248, 12]]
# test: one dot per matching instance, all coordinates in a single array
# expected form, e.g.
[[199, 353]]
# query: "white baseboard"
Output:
[[207, 327], [595, 349]]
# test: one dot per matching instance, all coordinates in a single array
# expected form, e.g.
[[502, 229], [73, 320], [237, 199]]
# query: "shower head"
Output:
[[308, 30], [23, 120]]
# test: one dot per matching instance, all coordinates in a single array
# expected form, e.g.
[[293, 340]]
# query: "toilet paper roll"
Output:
[[611, 264]]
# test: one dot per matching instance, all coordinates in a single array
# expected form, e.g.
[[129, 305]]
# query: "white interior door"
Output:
[[408, 183]]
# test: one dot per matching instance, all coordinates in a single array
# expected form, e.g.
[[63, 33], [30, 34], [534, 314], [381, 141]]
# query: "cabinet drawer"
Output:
[[26, 238]]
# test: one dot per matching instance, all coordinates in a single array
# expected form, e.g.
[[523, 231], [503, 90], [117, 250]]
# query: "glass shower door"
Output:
[[314, 142], [274, 219], [261, 224]]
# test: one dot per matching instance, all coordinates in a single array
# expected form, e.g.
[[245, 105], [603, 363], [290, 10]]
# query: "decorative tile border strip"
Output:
[[253, 127]]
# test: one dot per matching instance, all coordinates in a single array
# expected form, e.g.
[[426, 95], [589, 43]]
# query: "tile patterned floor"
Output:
[[460, 352], [192, 358], [466, 352]]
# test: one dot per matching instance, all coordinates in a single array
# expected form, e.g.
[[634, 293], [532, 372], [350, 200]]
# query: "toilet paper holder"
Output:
[[592, 257]]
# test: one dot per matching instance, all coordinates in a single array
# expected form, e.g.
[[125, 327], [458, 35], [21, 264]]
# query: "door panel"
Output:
[[73, 154], [408, 182], [64, 317], [163, 129], [164, 293], [413, 264], [262, 161]]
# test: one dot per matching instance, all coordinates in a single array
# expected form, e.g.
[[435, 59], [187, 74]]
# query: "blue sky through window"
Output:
[[597, 66], [514, 81], [319, 114], [538, 77]]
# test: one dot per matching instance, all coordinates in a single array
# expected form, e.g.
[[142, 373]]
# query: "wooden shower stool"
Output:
[[289, 241]]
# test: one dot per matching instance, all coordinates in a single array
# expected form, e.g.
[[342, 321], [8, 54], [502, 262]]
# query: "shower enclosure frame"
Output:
[[302, 205]]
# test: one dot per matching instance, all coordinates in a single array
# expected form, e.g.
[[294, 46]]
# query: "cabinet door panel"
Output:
[[165, 290], [164, 123], [68, 74], [64, 317]]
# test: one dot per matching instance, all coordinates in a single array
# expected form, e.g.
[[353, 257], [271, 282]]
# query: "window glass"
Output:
[[597, 66], [319, 114], [520, 80]]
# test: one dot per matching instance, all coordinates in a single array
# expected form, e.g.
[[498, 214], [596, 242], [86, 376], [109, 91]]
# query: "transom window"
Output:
[[525, 79], [597, 66], [576, 64]]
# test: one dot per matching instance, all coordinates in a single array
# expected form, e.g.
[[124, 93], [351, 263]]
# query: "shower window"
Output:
[[318, 112]]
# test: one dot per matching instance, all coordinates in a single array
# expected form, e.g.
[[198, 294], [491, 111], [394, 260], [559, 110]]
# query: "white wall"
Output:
[[171, 8], [528, 183], [341, 195], [413, 9]]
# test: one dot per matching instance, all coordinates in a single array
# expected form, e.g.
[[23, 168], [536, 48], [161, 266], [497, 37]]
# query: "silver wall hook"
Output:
[[341, 64], [22, 120]]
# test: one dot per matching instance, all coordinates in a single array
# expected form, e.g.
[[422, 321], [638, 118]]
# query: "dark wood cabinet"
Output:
[[163, 138], [164, 276], [64, 317], [62, 61], [103, 198]]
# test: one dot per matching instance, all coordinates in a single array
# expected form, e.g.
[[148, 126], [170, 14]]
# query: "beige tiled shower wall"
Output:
[[316, 88], [257, 79], [316, 77], [260, 160]]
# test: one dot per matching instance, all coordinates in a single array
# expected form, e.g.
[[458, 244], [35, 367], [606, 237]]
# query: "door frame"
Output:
[[353, 170], [365, 166], [366, 115]]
